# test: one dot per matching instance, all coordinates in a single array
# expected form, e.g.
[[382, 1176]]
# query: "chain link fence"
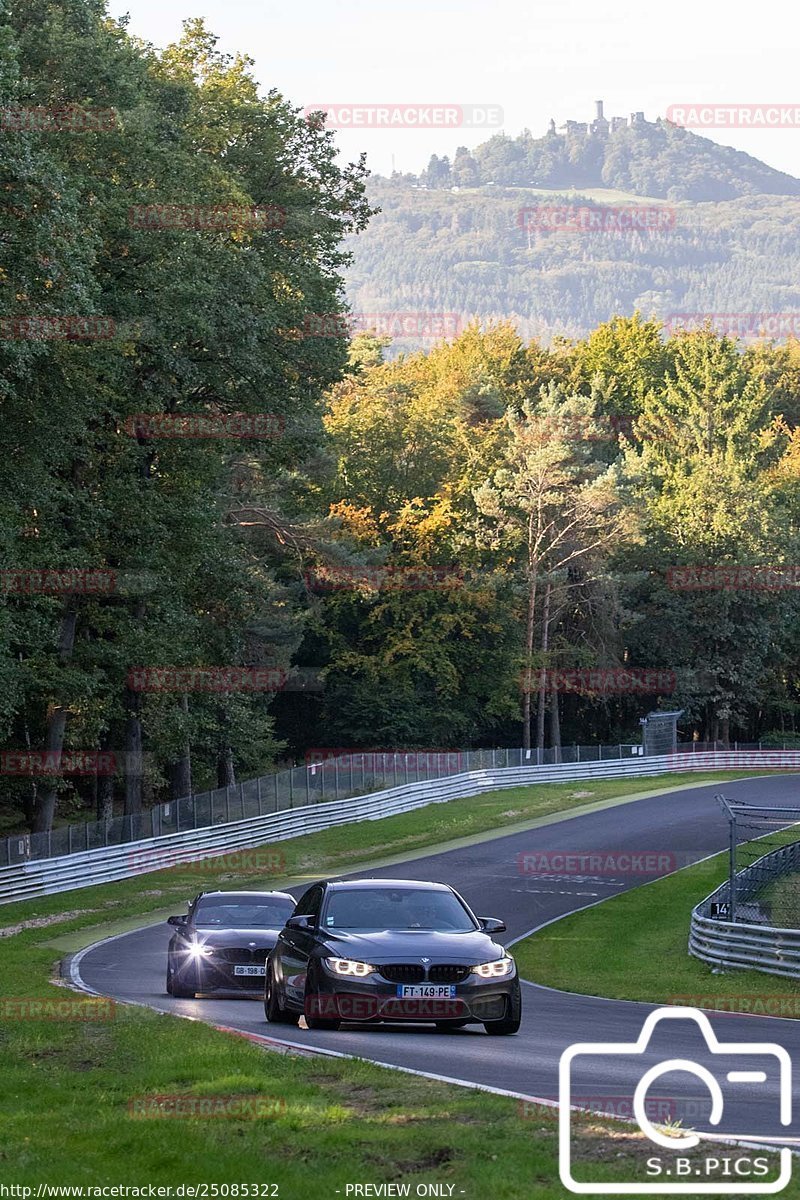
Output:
[[336, 778], [763, 886]]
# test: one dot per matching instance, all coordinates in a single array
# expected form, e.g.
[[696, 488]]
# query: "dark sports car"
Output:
[[391, 950], [223, 942]]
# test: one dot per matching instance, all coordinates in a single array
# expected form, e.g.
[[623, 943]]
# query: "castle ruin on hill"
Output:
[[600, 126]]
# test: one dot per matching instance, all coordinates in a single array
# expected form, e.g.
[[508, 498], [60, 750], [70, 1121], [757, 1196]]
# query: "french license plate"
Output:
[[262, 970], [426, 991]]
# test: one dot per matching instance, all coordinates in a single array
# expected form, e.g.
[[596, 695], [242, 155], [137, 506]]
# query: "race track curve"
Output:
[[688, 825]]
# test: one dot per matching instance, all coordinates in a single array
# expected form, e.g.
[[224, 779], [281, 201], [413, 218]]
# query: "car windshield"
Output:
[[375, 909], [243, 914]]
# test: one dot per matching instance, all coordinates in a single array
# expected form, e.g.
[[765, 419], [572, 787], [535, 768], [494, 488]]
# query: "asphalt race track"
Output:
[[687, 825]]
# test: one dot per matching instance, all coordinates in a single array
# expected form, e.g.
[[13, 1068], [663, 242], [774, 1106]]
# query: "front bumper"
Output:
[[213, 974], [376, 999]]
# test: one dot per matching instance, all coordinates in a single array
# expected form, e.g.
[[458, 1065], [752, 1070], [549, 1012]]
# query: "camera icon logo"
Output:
[[751, 1073]]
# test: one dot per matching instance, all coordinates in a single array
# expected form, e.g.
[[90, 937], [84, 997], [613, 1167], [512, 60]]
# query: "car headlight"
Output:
[[197, 950], [348, 966], [496, 969]]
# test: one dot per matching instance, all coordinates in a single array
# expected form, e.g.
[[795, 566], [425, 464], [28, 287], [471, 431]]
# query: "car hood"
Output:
[[219, 939], [393, 945]]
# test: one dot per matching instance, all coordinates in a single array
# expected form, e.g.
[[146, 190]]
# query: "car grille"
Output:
[[240, 956], [447, 973], [415, 973], [403, 972]]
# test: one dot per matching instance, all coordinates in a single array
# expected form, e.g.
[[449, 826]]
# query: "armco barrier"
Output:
[[746, 947], [739, 944], [105, 864]]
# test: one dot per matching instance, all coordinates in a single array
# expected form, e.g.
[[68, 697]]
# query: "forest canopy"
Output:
[[229, 531]]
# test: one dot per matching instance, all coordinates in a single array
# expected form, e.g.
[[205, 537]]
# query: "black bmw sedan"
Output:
[[223, 942], [391, 950]]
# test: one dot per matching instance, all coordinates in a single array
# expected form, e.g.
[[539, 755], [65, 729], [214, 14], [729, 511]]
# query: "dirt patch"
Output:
[[433, 1160], [580, 795], [43, 922]]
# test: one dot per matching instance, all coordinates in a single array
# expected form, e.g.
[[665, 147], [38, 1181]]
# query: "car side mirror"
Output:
[[492, 925], [177, 921], [299, 923]]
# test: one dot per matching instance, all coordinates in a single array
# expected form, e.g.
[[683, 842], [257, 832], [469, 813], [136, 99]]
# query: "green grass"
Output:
[[599, 194], [634, 947], [68, 1085], [781, 901]]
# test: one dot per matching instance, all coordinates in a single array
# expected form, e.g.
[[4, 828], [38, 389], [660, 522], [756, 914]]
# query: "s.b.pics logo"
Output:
[[736, 1079]]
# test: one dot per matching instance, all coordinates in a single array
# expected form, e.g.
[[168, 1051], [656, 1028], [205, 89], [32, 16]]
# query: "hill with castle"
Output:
[[451, 239], [645, 158]]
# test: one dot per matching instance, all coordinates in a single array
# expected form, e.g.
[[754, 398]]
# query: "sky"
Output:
[[532, 60]]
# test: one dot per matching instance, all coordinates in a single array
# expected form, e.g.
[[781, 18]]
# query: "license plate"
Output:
[[250, 970], [426, 991]]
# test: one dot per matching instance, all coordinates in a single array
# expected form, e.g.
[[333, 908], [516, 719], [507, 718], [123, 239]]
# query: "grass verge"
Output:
[[102, 1096], [634, 947]]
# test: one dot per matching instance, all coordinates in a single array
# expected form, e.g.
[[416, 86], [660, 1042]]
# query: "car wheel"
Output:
[[513, 1018], [312, 996], [273, 1009], [180, 990], [448, 1026]]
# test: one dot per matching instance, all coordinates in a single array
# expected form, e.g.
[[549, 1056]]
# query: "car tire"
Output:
[[274, 1011], [323, 1023], [329, 1023], [175, 989], [510, 1023]]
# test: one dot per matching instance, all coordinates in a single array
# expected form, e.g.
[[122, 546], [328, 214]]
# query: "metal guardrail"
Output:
[[328, 778], [109, 863], [747, 945]]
